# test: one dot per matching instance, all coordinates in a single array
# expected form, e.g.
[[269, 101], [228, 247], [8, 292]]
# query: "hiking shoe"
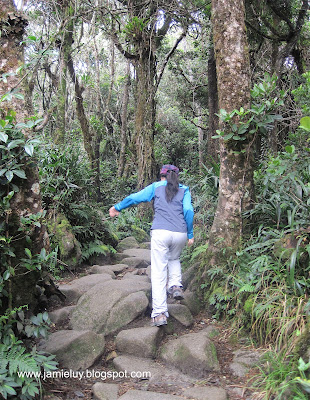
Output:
[[159, 320], [177, 293]]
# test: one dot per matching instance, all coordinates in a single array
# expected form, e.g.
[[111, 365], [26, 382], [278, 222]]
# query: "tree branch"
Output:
[[120, 48], [168, 57]]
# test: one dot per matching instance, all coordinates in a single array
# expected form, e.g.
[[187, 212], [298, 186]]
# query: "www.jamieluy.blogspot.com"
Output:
[[87, 374]]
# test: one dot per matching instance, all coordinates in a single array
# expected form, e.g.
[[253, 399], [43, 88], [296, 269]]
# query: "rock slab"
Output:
[[109, 306], [105, 391], [141, 342], [74, 290], [144, 395], [75, 349], [193, 354], [205, 393], [181, 313]]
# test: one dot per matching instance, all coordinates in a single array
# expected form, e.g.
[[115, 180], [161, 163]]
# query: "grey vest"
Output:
[[169, 216]]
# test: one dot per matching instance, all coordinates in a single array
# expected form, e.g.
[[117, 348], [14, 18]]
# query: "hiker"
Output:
[[172, 226]]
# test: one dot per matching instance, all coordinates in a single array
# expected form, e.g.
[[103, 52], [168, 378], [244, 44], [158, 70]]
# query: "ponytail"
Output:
[[172, 187]]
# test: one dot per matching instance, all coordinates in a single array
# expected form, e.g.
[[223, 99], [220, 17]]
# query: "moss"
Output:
[[63, 237], [248, 305], [182, 353]]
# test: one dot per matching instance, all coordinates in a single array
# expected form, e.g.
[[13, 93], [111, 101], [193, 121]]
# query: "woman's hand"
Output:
[[190, 242], [113, 212]]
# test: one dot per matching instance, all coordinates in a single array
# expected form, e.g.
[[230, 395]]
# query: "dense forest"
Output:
[[95, 97]]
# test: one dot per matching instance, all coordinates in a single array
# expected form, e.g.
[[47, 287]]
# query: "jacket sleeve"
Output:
[[188, 212], [145, 195]]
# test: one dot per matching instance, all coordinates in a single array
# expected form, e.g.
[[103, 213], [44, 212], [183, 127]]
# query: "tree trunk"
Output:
[[145, 115], [121, 162], [212, 144], [27, 201], [233, 80], [65, 54]]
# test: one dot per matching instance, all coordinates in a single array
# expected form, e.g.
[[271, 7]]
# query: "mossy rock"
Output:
[[140, 234], [60, 230]]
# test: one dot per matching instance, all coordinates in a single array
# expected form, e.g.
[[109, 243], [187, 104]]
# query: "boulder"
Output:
[[205, 393], [191, 301], [141, 342], [145, 245], [105, 391], [102, 269], [189, 275], [125, 311], [243, 360], [75, 349], [74, 290], [181, 313], [144, 395], [143, 254], [58, 317], [110, 305], [193, 354], [118, 257], [127, 243], [155, 373], [135, 262], [132, 275]]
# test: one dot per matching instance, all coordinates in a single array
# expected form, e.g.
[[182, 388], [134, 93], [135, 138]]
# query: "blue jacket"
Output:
[[175, 216]]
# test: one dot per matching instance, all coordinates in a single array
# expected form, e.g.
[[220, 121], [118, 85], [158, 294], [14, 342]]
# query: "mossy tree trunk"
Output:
[[144, 37], [233, 80], [212, 144], [65, 49], [145, 115], [28, 200]]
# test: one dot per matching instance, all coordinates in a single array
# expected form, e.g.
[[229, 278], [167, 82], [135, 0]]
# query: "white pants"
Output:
[[166, 247]]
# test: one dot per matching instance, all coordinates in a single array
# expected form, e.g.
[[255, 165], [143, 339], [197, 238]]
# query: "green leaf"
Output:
[[229, 136], [20, 173], [305, 123], [290, 149], [29, 149], [28, 253], [3, 137], [14, 144], [6, 275], [2, 171], [9, 175], [9, 389], [19, 96]]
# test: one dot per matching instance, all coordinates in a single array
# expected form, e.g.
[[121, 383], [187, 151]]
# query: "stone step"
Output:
[[74, 349], [193, 354], [144, 254], [181, 313], [109, 306], [76, 288], [144, 395], [105, 391], [60, 316], [109, 391], [153, 371], [141, 342]]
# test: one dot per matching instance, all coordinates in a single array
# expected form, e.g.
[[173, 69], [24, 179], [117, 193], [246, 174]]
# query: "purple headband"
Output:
[[166, 168]]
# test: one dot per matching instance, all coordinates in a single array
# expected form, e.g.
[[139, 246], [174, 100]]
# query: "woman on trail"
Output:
[[172, 227]]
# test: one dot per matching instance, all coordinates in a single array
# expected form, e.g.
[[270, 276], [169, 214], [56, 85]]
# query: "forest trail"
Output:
[[107, 349]]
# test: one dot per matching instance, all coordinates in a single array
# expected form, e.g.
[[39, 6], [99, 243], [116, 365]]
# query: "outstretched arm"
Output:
[[144, 195]]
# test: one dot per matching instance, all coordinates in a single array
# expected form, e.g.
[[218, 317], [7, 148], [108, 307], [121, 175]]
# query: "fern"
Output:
[[95, 248], [247, 288], [199, 250]]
